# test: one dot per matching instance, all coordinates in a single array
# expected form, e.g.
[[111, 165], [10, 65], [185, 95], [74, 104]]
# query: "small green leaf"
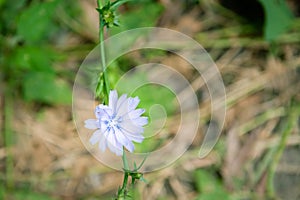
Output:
[[205, 181], [143, 179], [22, 194], [218, 194], [134, 166], [278, 18], [30, 195], [125, 162], [8, 14], [2, 2], [32, 58], [145, 14], [209, 186], [100, 90], [35, 22], [139, 167], [2, 191], [43, 87], [117, 3]]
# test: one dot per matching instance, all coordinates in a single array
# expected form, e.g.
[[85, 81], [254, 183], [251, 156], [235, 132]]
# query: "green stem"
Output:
[[290, 124], [8, 110], [122, 191], [102, 53], [125, 181], [99, 3], [133, 182], [125, 162]]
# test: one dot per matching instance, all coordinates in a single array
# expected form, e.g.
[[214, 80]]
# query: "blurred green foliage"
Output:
[[36, 22], [142, 13], [210, 186], [23, 194], [28, 60], [278, 18], [28, 54]]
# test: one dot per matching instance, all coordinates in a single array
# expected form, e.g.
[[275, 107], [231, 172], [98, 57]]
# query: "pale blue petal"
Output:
[[91, 124], [111, 142], [113, 145], [134, 114], [124, 140], [95, 137], [129, 146], [131, 127], [105, 113], [108, 111], [103, 142], [119, 151], [136, 138], [99, 110], [121, 101], [103, 126], [132, 103], [120, 137], [140, 121], [113, 99], [123, 108]]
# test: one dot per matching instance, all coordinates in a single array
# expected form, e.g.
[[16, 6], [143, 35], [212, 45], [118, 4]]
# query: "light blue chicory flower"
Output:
[[118, 124]]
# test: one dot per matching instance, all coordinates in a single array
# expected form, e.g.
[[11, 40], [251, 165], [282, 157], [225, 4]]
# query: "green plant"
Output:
[[278, 18], [27, 55], [27, 58]]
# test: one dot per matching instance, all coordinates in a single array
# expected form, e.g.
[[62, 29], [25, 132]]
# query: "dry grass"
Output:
[[48, 153]]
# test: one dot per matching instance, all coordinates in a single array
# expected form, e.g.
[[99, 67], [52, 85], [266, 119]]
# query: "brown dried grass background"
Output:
[[49, 155]]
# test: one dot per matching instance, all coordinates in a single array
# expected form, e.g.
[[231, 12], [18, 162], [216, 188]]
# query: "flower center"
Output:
[[114, 122]]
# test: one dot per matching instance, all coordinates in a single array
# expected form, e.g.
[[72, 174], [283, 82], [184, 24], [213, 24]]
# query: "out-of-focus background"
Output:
[[255, 44]]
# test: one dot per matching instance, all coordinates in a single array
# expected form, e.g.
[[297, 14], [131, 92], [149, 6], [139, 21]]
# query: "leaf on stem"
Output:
[[278, 18]]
